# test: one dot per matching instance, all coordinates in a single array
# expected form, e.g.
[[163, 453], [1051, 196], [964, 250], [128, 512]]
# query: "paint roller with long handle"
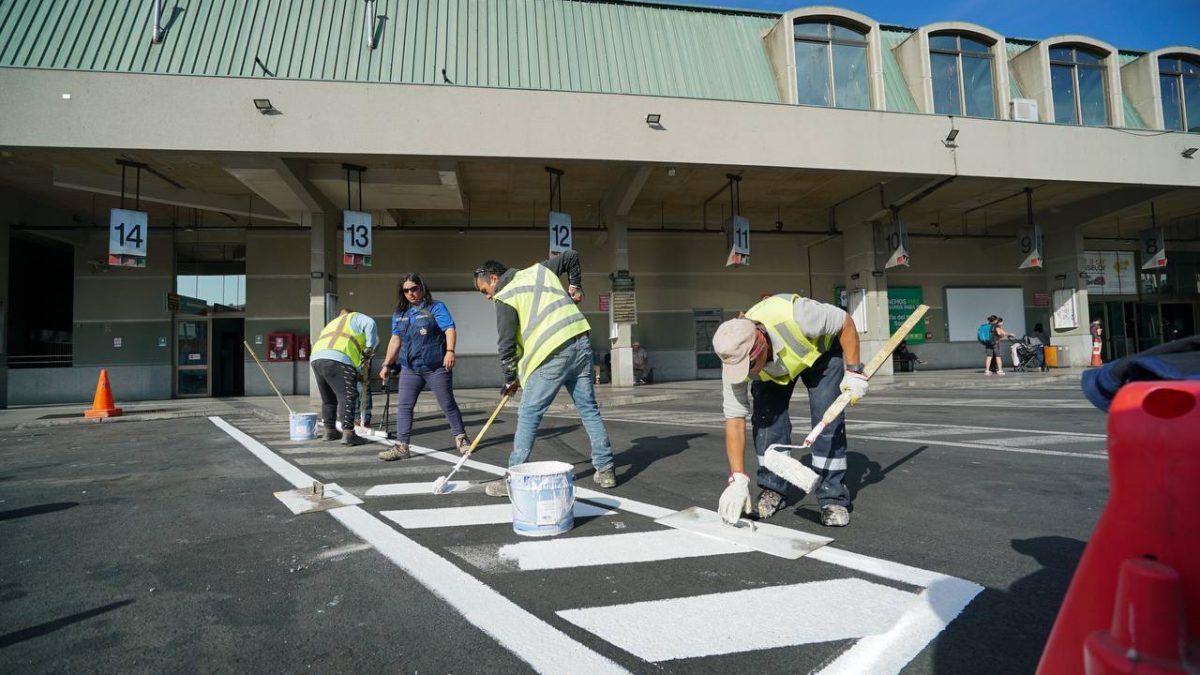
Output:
[[791, 469], [269, 380], [440, 484]]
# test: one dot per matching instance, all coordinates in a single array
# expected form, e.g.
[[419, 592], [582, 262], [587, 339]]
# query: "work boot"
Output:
[[835, 515], [351, 438], [462, 443], [397, 451], [497, 488], [770, 502], [331, 434], [605, 479]]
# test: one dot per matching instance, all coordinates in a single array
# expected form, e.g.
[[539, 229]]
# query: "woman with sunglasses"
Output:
[[423, 337]]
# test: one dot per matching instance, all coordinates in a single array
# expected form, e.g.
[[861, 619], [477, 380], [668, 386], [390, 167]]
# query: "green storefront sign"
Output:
[[902, 301]]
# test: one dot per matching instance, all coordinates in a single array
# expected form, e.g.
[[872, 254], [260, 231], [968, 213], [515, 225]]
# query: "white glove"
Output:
[[735, 500], [856, 384]]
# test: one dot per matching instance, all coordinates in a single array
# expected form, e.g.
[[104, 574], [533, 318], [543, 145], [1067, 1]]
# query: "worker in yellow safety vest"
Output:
[[783, 339], [544, 346], [337, 357]]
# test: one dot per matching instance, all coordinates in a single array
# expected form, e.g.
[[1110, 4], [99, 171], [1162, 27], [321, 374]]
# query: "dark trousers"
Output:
[[441, 381], [337, 383], [771, 424]]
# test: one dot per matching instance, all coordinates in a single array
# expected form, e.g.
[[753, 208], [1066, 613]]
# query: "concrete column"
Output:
[[4, 316], [622, 350], [859, 251], [1063, 260], [323, 271]]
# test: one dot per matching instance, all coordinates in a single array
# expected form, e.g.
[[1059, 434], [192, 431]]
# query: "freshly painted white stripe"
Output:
[[1038, 440], [394, 489], [982, 446], [924, 425], [343, 459], [929, 432], [614, 549], [623, 503], [543, 647], [384, 472], [459, 516], [728, 623]]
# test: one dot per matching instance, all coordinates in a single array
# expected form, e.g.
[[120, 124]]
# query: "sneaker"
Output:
[[834, 515], [770, 502], [397, 451], [605, 479], [497, 488], [987, 372], [462, 443], [351, 438], [999, 372], [331, 434]]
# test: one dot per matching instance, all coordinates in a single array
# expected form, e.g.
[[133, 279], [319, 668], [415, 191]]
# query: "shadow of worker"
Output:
[[646, 451], [1005, 632]]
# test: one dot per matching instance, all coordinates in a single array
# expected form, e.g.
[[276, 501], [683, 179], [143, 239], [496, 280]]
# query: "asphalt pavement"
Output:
[[158, 545]]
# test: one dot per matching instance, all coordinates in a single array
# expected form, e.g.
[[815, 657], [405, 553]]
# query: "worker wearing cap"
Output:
[[337, 357], [764, 352]]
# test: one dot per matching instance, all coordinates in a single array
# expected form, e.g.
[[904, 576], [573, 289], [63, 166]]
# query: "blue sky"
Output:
[[1141, 25]]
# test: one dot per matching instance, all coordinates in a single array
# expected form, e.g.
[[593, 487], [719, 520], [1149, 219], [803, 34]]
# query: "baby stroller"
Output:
[[1031, 355]]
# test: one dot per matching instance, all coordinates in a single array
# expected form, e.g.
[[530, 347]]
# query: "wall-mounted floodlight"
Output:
[[264, 105], [1189, 153], [949, 140], [653, 119]]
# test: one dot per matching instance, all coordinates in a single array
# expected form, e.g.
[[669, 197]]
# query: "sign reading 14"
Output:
[[127, 232]]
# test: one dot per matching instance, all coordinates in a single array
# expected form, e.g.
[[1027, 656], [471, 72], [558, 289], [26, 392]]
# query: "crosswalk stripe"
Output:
[[335, 459], [459, 516], [383, 472], [396, 489], [1037, 441], [727, 623], [614, 549]]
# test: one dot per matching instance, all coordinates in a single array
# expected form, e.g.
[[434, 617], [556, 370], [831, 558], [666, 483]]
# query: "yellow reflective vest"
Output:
[[798, 351], [340, 336], [546, 314]]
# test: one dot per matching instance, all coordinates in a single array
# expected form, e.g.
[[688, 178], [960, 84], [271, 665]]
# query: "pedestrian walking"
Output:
[[544, 346], [782, 340], [422, 347], [338, 354]]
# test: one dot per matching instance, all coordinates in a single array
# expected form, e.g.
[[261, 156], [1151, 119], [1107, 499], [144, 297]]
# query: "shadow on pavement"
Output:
[[13, 514], [41, 629]]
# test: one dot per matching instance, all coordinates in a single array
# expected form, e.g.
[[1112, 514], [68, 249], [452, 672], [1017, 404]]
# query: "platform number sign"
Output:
[[356, 238], [560, 232], [737, 241], [1153, 249], [128, 234], [1029, 246]]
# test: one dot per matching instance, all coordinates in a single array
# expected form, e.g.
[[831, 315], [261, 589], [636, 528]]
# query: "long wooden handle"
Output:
[[503, 400], [876, 362], [269, 381]]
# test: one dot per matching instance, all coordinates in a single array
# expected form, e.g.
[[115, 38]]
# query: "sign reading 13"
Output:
[[560, 232], [357, 236]]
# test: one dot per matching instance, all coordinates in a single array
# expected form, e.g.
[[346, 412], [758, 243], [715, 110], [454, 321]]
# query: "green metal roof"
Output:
[[895, 87], [567, 45]]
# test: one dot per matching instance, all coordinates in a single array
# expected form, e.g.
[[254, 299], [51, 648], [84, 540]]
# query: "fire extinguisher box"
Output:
[[303, 348], [281, 347]]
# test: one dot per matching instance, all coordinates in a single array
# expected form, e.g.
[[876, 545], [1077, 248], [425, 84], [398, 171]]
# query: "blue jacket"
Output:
[[1178, 360], [422, 333]]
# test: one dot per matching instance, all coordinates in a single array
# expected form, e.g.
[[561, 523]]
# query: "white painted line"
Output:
[[728, 623], [345, 458], [545, 648], [395, 489], [614, 549], [460, 516], [783, 542], [983, 446], [924, 425], [1040, 440], [383, 472]]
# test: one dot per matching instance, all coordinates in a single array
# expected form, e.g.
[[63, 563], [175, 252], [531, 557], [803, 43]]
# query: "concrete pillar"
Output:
[[1063, 259], [860, 255], [323, 270], [622, 350], [4, 319]]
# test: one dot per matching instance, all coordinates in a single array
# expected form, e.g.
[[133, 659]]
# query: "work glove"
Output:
[[735, 500], [855, 384], [510, 388]]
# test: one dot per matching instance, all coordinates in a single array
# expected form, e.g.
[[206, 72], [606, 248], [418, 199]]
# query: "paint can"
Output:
[[543, 498], [302, 426]]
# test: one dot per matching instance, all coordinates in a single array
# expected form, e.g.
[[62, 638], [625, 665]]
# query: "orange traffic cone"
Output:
[[102, 404], [1096, 360]]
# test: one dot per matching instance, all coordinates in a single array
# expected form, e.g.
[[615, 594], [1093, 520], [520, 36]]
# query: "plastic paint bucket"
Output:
[[302, 426], [543, 498]]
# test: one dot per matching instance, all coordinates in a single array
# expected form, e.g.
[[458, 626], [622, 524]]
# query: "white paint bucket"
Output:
[[302, 426], [543, 498]]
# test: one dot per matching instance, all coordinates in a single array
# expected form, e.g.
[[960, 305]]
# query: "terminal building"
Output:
[[1047, 179]]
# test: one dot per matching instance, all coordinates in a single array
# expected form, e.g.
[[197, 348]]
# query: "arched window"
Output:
[[962, 76], [831, 64], [1179, 79], [1077, 77]]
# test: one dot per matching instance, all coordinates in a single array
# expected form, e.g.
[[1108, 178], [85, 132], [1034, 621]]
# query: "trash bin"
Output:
[[1058, 356]]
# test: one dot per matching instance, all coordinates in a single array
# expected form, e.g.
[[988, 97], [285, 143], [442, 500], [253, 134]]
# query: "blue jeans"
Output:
[[570, 367], [771, 424], [411, 382]]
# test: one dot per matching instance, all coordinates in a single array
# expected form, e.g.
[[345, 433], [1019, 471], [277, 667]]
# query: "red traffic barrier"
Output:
[[1146, 538]]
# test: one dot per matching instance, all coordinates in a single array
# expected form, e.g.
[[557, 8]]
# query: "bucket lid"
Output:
[[540, 468]]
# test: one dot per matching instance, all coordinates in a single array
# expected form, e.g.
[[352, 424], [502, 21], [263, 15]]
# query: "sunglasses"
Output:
[[411, 289]]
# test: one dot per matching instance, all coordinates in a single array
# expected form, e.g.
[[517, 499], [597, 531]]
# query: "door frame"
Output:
[[177, 366]]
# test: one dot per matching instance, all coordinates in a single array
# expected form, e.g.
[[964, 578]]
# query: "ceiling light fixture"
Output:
[[264, 105], [1189, 153], [654, 119], [949, 140]]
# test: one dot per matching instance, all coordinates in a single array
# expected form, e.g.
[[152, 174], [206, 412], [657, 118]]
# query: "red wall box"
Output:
[[281, 347], [303, 348]]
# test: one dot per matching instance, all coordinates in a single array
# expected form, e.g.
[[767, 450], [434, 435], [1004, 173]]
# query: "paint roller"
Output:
[[439, 485]]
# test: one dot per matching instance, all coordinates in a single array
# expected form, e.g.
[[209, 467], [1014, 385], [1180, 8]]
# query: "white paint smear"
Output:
[[728, 623], [614, 549], [459, 516], [545, 648], [396, 489]]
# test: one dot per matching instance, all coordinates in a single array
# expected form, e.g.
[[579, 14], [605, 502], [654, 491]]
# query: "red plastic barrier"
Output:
[[1153, 514]]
